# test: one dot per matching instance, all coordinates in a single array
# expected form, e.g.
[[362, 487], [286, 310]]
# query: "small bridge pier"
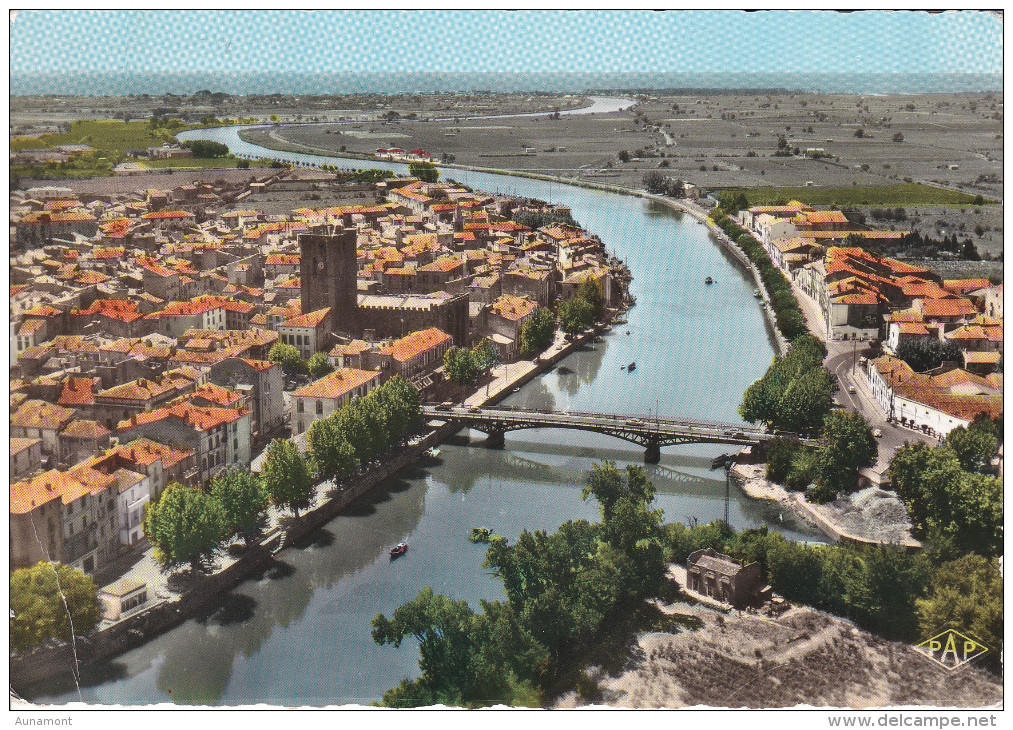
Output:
[[652, 454], [495, 438]]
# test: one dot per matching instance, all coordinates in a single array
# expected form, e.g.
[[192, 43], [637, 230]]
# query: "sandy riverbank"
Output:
[[870, 516]]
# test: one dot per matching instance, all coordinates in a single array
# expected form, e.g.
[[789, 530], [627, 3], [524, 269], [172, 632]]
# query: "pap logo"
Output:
[[951, 649]]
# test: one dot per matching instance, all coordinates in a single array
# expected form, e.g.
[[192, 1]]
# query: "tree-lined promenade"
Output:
[[188, 526]]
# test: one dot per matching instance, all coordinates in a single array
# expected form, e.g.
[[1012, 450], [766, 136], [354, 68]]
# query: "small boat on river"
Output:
[[398, 550], [757, 294], [708, 280], [631, 367]]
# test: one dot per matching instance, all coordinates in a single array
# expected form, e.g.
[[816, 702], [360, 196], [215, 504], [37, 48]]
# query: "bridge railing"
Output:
[[640, 420]]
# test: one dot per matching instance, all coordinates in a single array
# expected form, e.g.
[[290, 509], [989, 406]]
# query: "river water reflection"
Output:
[[300, 634]]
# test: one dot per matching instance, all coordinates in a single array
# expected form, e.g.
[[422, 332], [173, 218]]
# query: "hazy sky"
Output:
[[522, 41]]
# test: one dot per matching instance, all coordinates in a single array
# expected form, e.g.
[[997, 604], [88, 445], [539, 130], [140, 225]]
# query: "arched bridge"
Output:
[[651, 433]]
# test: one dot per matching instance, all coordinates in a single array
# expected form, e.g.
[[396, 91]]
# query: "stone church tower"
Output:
[[328, 274]]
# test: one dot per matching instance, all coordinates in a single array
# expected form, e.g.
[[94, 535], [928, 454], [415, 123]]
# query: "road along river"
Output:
[[300, 634]]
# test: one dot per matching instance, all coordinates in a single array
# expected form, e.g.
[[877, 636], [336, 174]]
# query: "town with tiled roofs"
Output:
[[142, 322], [859, 296]]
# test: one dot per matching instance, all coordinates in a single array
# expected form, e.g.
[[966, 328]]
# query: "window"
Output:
[[299, 406], [320, 407]]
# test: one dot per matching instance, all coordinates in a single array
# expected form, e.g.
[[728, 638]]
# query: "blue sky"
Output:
[[524, 41]]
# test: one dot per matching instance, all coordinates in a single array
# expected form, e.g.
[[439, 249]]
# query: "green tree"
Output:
[[780, 454], [591, 292], [974, 447], [624, 156], [806, 402], [848, 446], [927, 354], [286, 476], [796, 392], [962, 511], [537, 333], [205, 149], [318, 365], [966, 595], [466, 658], [46, 599], [400, 405], [288, 357], [424, 171], [575, 315], [242, 499], [185, 526], [630, 530], [486, 355], [331, 452], [459, 365]]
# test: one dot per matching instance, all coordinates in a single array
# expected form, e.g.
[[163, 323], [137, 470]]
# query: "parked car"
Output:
[[878, 432]]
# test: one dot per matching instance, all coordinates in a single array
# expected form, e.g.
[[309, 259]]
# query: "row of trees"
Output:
[[188, 525], [796, 395], [902, 595], [786, 310], [362, 428], [563, 591]]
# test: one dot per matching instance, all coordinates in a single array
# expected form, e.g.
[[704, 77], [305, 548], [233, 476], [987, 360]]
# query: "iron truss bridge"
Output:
[[651, 433]]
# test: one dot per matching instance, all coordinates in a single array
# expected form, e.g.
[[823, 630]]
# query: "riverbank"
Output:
[[837, 520], [184, 595]]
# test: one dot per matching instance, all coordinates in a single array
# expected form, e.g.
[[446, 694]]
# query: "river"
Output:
[[300, 634]]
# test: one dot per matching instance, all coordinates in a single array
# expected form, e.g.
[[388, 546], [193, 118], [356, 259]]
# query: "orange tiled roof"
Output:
[[78, 391], [29, 494], [160, 215], [513, 308], [963, 286], [145, 451], [124, 310], [85, 429], [41, 415], [337, 384], [947, 308], [200, 418], [416, 343], [312, 319]]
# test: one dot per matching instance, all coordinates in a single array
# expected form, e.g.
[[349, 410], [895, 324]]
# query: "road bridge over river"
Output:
[[649, 432]]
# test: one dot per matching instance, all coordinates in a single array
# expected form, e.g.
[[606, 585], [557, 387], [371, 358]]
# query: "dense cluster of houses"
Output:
[[142, 322], [863, 296]]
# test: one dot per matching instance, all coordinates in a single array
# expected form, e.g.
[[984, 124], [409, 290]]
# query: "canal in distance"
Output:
[[300, 634]]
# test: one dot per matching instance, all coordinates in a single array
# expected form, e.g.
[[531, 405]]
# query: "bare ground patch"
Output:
[[804, 657]]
